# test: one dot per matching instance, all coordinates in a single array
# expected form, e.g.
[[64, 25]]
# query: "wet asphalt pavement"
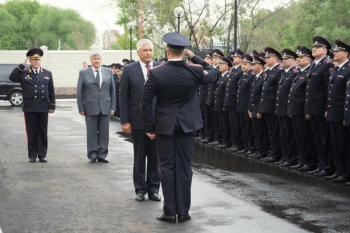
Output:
[[230, 193]]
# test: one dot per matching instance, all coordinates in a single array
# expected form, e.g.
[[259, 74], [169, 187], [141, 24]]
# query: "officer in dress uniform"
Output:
[[243, 96], [207, 121], [284, 121], [231, 102], [268, 102], [177, 117], [259, 124], [38, 100], [118, 70], [219, 106], [295, 110], [335, 110], [217, 55], [347, 123], [316, 103]]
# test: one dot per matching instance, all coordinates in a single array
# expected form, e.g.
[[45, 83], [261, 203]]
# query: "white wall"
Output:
[[65, 64]]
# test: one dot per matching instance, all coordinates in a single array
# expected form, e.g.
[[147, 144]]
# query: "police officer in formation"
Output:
[[291, 108]]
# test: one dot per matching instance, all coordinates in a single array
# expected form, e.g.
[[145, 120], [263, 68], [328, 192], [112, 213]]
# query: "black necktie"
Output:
[[312, 66], [335, 71], [36, 73], [98, 77]]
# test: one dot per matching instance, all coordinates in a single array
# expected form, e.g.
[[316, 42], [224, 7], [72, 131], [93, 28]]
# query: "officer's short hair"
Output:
[[142, 42], [95, 55], [175, 52]]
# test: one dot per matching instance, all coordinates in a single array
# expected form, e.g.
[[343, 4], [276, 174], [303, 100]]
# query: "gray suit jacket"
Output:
[[131, 87], [94, 100]]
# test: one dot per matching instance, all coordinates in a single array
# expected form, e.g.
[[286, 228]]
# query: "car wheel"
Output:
[[16, 98]]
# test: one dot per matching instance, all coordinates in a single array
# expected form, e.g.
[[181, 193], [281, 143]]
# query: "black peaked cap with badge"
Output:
[[218, 53], [176, 41], [210, 55], [231, 53], [247, 58], [297, 49], [320, 41], [304, 51], [225, 60], [125, 60], [269, 52], [230, 58], [35, 53], [330, 56], [287, 53], [258, 59], [341, 46], [254, 53], [238, 53], [262, 55]]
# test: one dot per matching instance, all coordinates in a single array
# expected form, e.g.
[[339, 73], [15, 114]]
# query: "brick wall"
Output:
[[65, 64]]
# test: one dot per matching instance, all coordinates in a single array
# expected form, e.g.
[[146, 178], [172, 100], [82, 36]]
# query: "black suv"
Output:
[[9, 90]]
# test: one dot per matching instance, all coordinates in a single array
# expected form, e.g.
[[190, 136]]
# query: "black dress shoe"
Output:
[[211, 143], [258, 157], [223, 147], [229, 148], [140, 197], [249, 152], [235, 149], [241, 152], [270, 160], [279, 162], [43, 160], [32, 160], [154, 197], [299, 165], [92, 161], [321, 173], [339, 179], [264, 159], [205, 141], [286, 164], [166, 218], [305, 168], [313, 171], [183, 218], [331, 177], [347, 183], [102, 160]]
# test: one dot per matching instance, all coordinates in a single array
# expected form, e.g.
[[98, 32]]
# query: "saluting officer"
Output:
[[231, 102], [335, 110], [285, 122], [219, 106], [243, 96], [177, 117], [38, 100], [316, 103], [268, 103], [259, 124], [295, 110]]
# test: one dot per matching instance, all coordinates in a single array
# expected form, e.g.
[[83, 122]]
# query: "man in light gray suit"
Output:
[[96, 101]]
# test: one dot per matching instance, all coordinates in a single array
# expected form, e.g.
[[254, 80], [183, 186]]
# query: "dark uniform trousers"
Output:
[[224, 129], [208, 124], [235, 128], [247, 131], [175, 170], [339, 135], [260, 136], [315, 105], [201, 132], [216, 124], [145, 147], [287, 140], [273, 134]]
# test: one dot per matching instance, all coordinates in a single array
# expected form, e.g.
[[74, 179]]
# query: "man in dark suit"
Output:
[[285, 122], [243, 96], [177, 117], [335, 110], [268, 102], [295, 110], [231, 102], [259, 124], [131, 87], [38, 100], [96, 102], [316, 102]]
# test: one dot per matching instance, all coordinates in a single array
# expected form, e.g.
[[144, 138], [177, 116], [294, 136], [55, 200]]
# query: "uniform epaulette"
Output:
[[280, 68], [325, 60], [349, 64], [253, 73], [295, 70], [155, 67], [19, 68]]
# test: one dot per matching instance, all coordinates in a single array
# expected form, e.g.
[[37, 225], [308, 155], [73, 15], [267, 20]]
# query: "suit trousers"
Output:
[[247, 131], [260, 136], [175, 155], [235, 128], [36, 130], [202, 130], [145, 148], [274, 135], [287, 139], [97, 130], [208, 124], [225, 128], [216, 124], [339, 137], [320, 130], [303, 140]]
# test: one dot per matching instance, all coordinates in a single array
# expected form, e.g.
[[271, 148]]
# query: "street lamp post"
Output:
[[178, 12], [130, 25]]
